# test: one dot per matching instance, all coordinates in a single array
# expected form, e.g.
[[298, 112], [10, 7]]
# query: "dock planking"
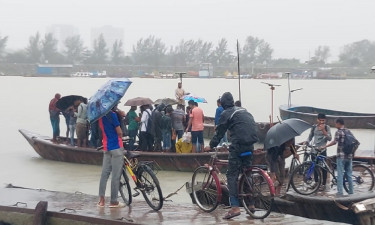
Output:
[[78, 208]]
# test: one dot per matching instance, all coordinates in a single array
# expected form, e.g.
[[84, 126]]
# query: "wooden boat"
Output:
[[164, 161], [309, 114], [209, 130]]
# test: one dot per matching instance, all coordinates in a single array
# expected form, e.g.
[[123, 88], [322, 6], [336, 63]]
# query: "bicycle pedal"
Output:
[[135, 194]]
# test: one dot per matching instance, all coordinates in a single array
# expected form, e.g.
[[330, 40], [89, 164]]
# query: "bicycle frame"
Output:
[[214, 171]]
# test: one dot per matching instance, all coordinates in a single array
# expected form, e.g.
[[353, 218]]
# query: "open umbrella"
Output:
[[67, 101], [106, 98], [284, 131], [138, 101], [194, 98], [166, 101]]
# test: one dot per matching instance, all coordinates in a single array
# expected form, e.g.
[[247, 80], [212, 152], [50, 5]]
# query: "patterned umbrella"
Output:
[[194, 98], [138, 101], [106, 98]]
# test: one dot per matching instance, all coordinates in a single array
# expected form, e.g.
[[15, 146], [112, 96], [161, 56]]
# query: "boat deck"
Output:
[[81, 209]]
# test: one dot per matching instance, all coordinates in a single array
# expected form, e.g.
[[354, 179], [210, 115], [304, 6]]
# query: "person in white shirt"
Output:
[[146, 134]]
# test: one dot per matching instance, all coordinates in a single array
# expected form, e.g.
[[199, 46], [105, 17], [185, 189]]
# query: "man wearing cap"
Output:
[[180, 92]]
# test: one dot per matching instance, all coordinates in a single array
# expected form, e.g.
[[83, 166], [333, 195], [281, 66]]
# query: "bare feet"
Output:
[[101, 202]]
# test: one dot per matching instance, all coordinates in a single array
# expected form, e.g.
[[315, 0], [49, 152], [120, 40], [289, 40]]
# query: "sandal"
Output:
[[230, 215], [99, 205], [119, 205]]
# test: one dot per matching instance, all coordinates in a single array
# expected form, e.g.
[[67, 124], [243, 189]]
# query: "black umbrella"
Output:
[[284, 131], [67, 101]]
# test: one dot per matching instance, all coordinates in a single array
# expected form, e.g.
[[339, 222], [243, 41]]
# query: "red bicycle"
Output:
[[255, 187]]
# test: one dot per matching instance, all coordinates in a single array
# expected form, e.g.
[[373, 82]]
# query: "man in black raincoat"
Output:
[[243, 134]]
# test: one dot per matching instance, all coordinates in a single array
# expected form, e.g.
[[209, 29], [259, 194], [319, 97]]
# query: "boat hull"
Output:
[[309, 114], [164, 161]]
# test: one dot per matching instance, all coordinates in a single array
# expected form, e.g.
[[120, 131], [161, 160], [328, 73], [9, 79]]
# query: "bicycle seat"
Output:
[[245, 154], [131, 155], [263, 167]]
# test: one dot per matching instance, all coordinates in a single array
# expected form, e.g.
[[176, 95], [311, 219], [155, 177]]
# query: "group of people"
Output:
[[320, 137], [75, 118]]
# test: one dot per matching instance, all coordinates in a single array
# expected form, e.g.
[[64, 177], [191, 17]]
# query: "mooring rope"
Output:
[[174, 193]]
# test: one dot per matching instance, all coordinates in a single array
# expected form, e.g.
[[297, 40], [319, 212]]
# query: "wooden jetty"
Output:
[[17, 207]]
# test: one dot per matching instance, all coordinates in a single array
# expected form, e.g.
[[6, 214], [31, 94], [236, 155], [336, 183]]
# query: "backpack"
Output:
[[350, 144], [149, 124]]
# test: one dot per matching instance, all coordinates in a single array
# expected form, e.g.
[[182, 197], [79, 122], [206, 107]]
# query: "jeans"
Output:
[[55, 122], [146, 141], [179, 134], [344, 165], [72, 129], [112, 162], [166, 140], [235, 165], [132, 135]]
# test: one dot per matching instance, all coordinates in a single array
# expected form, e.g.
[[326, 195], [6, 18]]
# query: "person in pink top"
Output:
[[196, 123]]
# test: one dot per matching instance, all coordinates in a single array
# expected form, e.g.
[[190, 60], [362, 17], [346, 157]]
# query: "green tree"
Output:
[[203, 51], [117, 52], [74, 49], [322, 53], [99, 53], [3, 43], [49, 49], [358, 53], [221, 55], [256, 50], [149, 51], [184, 53], [34, 49]]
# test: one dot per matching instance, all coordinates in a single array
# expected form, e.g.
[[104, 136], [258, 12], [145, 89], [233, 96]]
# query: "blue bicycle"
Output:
[[307, 177]]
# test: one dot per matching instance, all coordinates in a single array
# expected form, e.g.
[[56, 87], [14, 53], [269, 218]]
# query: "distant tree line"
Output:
[[152, 51]]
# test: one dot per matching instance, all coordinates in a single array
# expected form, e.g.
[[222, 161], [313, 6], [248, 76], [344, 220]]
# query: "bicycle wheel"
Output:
[[125, 190], [363, 179], [255, 189], [206, 189], [306, 179], [292, 167], [150, 187]]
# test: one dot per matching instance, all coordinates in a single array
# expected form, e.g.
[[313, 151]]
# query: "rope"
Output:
[[173, 193]]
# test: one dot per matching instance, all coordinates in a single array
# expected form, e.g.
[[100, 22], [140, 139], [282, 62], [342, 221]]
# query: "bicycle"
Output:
[[307, 177], [145, 180], [254, 187], [296, 162]]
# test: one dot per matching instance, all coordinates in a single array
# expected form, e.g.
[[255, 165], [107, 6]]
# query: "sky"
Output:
[[294, 28]]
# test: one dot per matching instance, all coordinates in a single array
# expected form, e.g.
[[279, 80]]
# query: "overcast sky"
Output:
[[292, 27]]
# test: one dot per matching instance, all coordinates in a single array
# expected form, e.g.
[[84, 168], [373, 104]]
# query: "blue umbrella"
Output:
[[194, 98], [106, 98]]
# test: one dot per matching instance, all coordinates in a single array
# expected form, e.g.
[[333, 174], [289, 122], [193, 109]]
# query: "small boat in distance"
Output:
[[309, 114]]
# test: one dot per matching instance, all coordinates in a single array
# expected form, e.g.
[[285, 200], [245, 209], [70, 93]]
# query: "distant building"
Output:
[[111, 34], [61, 32]]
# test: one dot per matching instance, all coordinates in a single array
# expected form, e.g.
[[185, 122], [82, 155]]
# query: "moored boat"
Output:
[[309, 114], [164, 161], [209, 130]]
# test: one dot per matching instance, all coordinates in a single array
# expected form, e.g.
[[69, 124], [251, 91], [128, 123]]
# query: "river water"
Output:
[[24, 102]]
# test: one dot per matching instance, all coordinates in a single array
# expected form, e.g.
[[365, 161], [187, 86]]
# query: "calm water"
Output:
[[24, 103]]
